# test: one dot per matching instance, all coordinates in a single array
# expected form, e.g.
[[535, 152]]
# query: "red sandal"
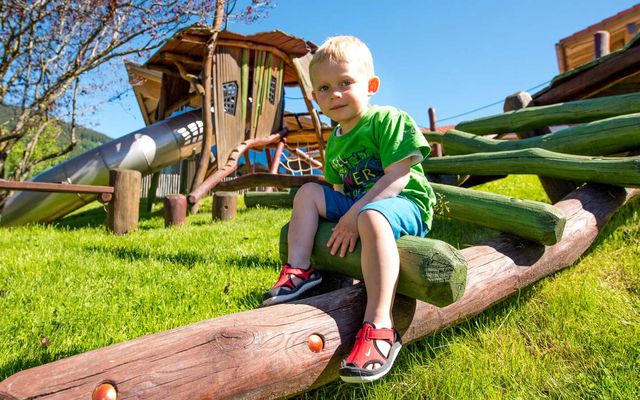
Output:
[[354, 368], [285, 289]]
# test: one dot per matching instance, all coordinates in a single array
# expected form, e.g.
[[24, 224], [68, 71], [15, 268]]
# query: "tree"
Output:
[[48, 47]]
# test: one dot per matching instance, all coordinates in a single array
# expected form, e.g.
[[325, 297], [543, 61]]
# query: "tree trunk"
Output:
[[573, 112], [264, 353], [621, 171], [430, 270]]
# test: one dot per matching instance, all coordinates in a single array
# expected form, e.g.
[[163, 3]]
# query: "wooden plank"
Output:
[[203, 360], [55, 187], [230, 121]]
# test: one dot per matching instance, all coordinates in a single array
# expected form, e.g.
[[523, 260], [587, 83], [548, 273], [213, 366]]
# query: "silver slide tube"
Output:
[[146, 150]]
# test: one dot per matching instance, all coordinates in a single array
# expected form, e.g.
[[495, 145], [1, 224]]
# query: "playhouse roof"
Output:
[[189, 46]]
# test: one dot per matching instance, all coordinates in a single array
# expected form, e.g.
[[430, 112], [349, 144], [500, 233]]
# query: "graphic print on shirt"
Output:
[[359, 171]]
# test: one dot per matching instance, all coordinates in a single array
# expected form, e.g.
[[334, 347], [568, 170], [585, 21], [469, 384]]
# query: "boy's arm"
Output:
[[345, 233]]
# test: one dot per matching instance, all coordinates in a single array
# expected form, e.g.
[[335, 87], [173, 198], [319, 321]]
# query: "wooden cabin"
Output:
[[599, 39], [246, 77]]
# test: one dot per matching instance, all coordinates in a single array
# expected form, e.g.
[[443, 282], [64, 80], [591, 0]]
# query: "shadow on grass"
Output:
[[95, 217], [253, 261], [186, 259], [43, 357]]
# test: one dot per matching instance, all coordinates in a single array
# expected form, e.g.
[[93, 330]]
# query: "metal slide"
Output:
[[146, 150]]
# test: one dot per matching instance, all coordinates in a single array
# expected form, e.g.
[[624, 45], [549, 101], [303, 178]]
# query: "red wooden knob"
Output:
[[315, 343], [104, 391]]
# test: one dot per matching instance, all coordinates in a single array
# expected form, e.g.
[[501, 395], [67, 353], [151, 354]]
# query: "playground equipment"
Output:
[[241, 77], [307, 339]]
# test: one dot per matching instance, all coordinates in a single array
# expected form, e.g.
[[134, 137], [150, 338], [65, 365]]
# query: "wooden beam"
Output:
[[203, 360], [573, 112], [622, 171], [232, 164], [262, 179]]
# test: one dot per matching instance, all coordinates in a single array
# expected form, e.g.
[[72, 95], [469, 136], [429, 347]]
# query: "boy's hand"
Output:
[[345, 234]]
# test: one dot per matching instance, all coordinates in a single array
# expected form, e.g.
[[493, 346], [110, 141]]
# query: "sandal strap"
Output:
[[299, 272], [361, 354]]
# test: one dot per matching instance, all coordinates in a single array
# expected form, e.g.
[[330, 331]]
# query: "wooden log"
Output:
[[573, 112], [598, 138], [151, 193], [203, 360], [269, 199], [555, 189], [262, 179], [225, 205], [430, 270], [175, 210], [621, 171], [123, 209], [531, 220]]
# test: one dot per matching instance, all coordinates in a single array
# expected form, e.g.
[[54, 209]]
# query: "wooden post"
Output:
[[224, 205], [153, 188], [123, 209], [175, 210], [275, 162], [436, 148], [207, 120], [601, 41]]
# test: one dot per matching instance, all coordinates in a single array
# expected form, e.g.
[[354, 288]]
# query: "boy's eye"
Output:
[[323, 88], [346, 82]]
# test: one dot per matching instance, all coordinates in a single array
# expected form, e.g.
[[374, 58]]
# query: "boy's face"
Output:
[[342, 91]]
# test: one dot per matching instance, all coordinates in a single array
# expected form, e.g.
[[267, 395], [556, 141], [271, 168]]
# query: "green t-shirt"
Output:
[[383, 136]]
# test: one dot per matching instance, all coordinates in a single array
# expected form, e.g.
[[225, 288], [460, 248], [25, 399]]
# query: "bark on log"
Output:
[[225, 205], [175, 210], [234, 356], [532, 220], [573, 112], [599, 138], [430, 270], [123, 210], [621, 171]]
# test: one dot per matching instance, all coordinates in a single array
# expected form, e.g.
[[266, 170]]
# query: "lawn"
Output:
[[71, 287]]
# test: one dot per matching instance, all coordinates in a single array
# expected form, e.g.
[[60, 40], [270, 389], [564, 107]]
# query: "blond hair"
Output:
[[349, 49]]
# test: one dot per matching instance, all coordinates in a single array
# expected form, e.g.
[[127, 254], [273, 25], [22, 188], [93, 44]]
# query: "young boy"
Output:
[[373, 160]]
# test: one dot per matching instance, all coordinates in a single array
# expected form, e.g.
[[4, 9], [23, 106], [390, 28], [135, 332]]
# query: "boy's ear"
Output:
[[374, 85]]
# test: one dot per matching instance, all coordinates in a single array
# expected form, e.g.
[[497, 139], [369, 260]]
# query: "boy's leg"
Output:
[[308, 206], [380, 224], [297, 275]]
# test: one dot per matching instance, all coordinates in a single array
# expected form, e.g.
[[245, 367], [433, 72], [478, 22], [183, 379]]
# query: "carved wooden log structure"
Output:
[[430, 270], [533, 220], [573, 112], [598, 138], [264, 353], [622, 171]]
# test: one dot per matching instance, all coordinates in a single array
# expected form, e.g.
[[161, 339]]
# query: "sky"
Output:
[[453, 55]]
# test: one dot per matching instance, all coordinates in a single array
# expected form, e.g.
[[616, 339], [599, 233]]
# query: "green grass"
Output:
[[573, 335]]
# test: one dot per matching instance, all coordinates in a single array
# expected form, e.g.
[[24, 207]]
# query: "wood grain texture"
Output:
[[263, 353]]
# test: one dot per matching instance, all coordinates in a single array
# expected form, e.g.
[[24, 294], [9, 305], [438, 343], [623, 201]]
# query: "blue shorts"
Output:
[[402, 214]]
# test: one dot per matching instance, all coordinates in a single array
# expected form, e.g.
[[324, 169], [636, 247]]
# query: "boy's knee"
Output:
[[370, 217], [309, 189]]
